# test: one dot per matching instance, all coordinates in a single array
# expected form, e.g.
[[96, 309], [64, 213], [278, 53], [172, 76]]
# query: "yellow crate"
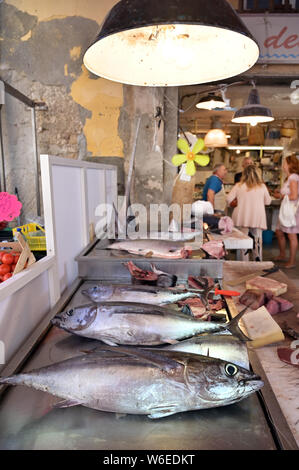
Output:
[[35, 243]]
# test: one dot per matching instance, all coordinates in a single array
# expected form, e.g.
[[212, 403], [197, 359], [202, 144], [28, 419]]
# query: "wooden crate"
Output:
[[22, 247]]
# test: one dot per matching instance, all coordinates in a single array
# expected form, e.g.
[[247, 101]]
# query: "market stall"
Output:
[[29, 418]]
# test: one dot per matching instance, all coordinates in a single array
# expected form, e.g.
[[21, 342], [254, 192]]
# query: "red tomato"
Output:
[[13, 267], [4, 269], [8, 258], [16, 258], [1, 254], [6, 276]]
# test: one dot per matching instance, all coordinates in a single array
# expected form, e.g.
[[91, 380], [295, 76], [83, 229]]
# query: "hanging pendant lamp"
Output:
[[253, 113], [211, 101], [216, 137], [171, 43]]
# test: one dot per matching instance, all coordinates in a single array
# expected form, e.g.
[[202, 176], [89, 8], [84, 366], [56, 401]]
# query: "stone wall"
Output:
[[42, 44]]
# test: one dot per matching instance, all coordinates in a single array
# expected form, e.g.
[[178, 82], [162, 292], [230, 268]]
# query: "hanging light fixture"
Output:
[[171, 43], [253, 113], [211, 101], [216, 137]]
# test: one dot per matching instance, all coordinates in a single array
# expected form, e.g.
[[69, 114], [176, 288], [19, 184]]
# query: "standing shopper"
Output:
[[291, 189], [250, 214], [213, 191]]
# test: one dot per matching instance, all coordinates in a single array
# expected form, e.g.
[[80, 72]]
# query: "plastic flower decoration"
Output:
[[10, 207], [190, 156]]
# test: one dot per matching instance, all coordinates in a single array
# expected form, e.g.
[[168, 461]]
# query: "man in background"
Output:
[[246, 162], [214, 189]]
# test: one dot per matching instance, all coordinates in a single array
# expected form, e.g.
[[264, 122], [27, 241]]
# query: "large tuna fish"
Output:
[[131, 293], [153, 383], [225, 347], [137, 324], [155, 248]]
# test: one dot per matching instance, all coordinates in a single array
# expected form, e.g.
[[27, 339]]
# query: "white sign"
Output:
[[277, 36]]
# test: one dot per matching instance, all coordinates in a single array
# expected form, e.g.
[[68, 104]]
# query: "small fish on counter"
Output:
[[155, 383], [138, 324], [136, 293], [165, 249]]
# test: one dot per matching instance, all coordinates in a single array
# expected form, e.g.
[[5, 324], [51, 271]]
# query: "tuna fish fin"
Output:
[[162, 411], [150, 356], [67, 404], [233, 326]]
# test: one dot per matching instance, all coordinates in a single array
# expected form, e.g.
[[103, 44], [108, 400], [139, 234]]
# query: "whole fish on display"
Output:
[[134, 381], [138, 324], [225, 347], [153, 248], [134, 293]]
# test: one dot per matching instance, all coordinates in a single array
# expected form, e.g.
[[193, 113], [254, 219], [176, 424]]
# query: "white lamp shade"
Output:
[[216, 138]]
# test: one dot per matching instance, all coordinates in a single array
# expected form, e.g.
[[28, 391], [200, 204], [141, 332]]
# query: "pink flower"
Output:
[[10, 207]]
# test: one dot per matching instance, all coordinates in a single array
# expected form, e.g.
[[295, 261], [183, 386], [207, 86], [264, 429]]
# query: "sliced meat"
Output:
[[265, 283], [273, 307], [216, 304], [284, 305], [254, 298], [201, 282], [214, 248], [192, 302], [141, 276]]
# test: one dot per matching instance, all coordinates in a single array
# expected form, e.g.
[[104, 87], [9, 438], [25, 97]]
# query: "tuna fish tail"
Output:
[[233, 326], [12, 380]]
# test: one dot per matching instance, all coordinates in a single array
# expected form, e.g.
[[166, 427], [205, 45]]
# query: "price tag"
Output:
[[183, 175]]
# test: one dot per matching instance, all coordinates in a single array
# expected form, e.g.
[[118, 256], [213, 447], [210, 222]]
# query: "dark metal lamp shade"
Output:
[[171, 43], [253, 113], [211, 101]]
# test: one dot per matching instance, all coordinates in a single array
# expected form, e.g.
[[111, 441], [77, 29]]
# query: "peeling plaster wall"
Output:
[[42, 45]]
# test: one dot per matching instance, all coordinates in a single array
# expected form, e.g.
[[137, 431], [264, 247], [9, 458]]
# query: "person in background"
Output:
[[290, 188], [250, 214], [246, 162], [213, 191]]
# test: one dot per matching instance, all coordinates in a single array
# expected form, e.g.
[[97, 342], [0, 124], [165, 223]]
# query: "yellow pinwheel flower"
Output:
[[190, 156]]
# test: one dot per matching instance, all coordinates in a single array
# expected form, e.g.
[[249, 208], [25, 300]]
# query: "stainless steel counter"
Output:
[[97, 262], [27, 420]]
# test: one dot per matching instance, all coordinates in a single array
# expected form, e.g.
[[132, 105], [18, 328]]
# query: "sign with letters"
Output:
[[277, 35]]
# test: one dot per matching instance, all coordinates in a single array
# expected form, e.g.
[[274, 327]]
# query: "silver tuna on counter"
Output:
[[138, 324], [153, 248], [130, 293], [225, 347], [153, 383]]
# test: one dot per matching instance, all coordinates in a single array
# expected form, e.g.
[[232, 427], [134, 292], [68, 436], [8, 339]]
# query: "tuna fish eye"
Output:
[[70, 312], [231, 370]]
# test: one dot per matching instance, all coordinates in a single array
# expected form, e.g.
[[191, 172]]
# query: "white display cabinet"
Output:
[[71, 191]]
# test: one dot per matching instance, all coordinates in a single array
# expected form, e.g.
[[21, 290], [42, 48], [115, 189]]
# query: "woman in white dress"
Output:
[[290, 188], [250, 214]]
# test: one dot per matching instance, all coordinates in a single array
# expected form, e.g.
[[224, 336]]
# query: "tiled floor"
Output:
[[270, 251]]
